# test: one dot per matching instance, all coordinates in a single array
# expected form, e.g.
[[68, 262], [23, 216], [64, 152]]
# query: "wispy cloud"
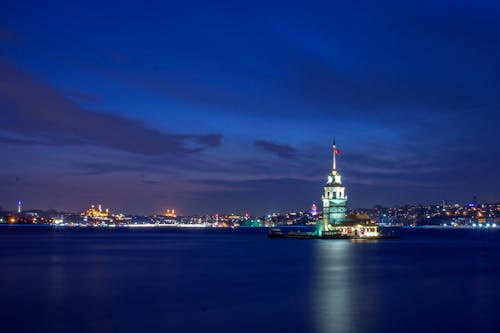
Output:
[[281, 150], [34, 109]]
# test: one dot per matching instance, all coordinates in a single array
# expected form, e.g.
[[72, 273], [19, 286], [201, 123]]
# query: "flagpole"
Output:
[[334, 155]]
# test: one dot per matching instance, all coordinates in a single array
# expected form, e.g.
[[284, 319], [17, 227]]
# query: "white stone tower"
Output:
[[334, 199]]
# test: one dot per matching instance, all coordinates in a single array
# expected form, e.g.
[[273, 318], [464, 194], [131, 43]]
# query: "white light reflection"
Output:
[[57, 278], [333, 312]]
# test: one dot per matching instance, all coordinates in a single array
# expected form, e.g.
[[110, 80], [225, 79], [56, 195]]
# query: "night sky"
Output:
[[232, 107]]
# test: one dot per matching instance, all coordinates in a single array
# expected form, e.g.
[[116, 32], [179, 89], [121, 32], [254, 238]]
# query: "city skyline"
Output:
[[233, 108], [20, 209]]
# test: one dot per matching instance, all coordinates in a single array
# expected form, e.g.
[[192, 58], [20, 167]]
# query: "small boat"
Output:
[[275, 233]]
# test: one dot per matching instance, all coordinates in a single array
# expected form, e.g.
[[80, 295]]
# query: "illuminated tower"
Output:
[[334, 198], [314, 210], [19, 206]]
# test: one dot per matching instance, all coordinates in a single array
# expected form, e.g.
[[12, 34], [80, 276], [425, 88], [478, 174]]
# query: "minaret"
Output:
[[334, 198]]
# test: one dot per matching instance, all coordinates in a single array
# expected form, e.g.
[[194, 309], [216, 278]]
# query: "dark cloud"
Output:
[[101, 168], [19, 141], [31, 108], [283, 151], [150, 182]]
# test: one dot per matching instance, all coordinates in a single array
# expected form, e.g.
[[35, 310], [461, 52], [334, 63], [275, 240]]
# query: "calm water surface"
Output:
[[241, 281]]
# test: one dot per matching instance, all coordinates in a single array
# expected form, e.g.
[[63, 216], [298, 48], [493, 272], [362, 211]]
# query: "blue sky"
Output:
[[232, 106]]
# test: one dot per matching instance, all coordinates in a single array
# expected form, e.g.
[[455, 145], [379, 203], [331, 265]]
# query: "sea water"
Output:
[[168, 280]]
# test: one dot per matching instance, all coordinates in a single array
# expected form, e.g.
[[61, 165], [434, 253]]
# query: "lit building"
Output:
[[170, 213], [314, 210], [96, 213], [335, 221], [19, 206], [334, 199]]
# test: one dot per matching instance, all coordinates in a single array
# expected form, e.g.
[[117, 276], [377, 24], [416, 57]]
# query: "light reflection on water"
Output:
[[425, 282], [346, 297], [56, 277], [332, 303]]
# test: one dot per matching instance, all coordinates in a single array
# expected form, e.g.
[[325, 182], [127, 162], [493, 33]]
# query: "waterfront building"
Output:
[[334, 199], [171, 214], [335, 221], [96, 213]]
